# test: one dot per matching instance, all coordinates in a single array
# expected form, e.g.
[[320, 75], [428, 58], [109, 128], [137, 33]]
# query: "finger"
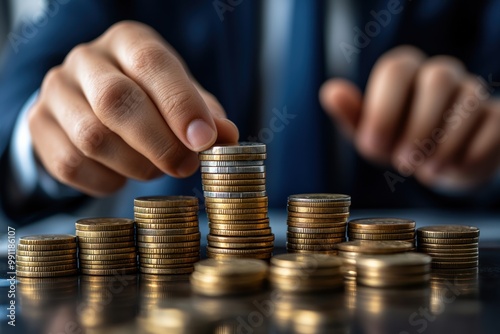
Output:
[[72, 112], [342, 100], [387, 96], [126, 110], [64, 161], [436, 87], [142, 55]]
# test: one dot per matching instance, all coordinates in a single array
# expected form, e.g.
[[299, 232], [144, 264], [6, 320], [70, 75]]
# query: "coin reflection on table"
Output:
[[107, 301], [449, 284], [155, 289]]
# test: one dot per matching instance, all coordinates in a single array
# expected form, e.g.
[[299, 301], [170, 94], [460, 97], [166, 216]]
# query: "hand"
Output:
[[426, 116], [123, 106]]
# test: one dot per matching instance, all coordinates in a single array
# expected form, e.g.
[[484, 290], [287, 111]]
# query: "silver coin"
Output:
[[246, 194], [320, 198], [233, 170], [241, 148], [231, 163]]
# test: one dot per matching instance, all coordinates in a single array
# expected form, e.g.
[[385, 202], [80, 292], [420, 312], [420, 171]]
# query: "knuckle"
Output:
[[125, 27], [53, 78], [147, 58], [115, 99], [89, 137], [439, 73], [66, 166], [81, 51], [176, 103]]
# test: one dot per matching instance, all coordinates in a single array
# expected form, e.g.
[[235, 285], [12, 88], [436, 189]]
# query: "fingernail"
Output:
[[200, 135]]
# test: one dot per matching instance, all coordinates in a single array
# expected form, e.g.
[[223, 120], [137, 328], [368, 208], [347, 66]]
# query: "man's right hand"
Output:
[[123, 106]]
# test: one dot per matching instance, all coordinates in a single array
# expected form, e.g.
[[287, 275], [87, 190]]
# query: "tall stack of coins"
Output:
[[393, 270], [305, 272], [382, 229], [316, 222], [451, 246], [234, 187], [168, 234], [230, 276], [351, 250], [106, 246], [50, 255]]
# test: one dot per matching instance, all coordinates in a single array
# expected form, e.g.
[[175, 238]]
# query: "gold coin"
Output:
[[209, 200], [22, 247], [150, 227], [389, 236], [104, 224], [313, 230], [165, 201], [69, 251], [48, 239], [339, 226], [216, 238], [295, 285], [318, 215], [238, 227], [45, 263], [181, 260], [105, 234], [169, 256], [317, 210], [400, 260], [322, 241], [218, 250], [384, 283], [304, 251], [229, 206], [315, 235], [172, 231], [108, 266], [306, 261], [449, 265], [175, 250], [47, 274], [448, 231], [138, 215], [107, 257], [239, 222], [325, 247], [99, 262], [319, 198], [243, 182], [371, 231], [445, 241], [180, 209], [45, 258], [472, 245], [253, 216], [46, 268], [341, 204], [240, 245], [236, 211], [106, 272], [86, 245], [233, 176], [166, 266], [450, 252], [305, 272], [234, 188], [172, 244], [244, 233], [375, 246], [216, 256], [106, 240], [232, 267], [454, 259], [382, 223], [169, 238], [106, 251], [174, 271], [334, 222], [142, 221], [231, 157]]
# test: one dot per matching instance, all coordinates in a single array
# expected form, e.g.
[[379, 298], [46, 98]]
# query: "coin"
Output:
[[182, 260], [447, 241], [387, 261], [239, 217], [448, 231], [240, 239], [239, 211], [105, 262], [106, 240], [239, 245], [180, 209], [296, 260], [174, 250], [167, 231], [238, 227], [105, 234], [324, 247], [165, 201], [106, 251], [184, 254], [47, 239], [142, 221], [241, 148], [239, 222], [45, 263], [110, 245], [218, 250], [52, 247], [254, 188], [467, 264], [337, 222], [105, 272], [382, 223], [109, 266], [68, 251], [391, 236], [319, 198], [238, 233], [45, 268], [314, 235], [168, 238], [384, 283], [107, 257], [232, 267], [369, 246], [355, 230], [231, 157], [226, 163], [446, 246], [339, 226], [47, 274], [138, 215], [318, 215], [313, 230], [165, 271], [234, 182], [45, 258], [247, 194], [321, 241], [210, 200], [217, 256], [104, 224], [318, 210]]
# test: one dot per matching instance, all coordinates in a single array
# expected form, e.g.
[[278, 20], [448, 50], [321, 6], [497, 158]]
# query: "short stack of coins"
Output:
[[50, 255], [168, 234], [351, 250], [106, 246], [301, 273], [234, 187], [382, 229], [450, 246], [316, 222], [229, 276], [393, 270]]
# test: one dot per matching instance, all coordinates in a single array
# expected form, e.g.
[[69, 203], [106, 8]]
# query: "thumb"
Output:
[[227, 132], [342, 100]]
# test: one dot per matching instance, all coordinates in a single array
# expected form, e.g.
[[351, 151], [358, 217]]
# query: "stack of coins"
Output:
[[106, 246], [351, 250], [393, 270], [316, 222], [382, 229], [306, 272], [451, 246], [229, 276], [234, 186], [50, 255], [168, 234]]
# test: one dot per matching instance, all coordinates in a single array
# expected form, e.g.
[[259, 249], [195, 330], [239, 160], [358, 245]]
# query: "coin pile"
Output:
[[393, 270], [234, 187], [316, 222], [214, 277], [351, 250], [106, 246], [168, 234], [382, 229], [451, 246], [50, 255], [305, 272]]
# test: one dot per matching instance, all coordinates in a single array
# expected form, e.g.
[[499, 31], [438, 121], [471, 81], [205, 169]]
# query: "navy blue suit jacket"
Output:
[[223, 56]]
